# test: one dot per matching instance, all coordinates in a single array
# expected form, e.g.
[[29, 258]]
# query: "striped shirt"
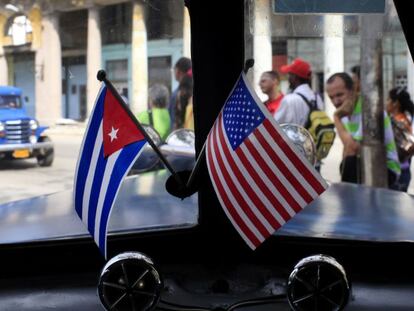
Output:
[[353, 125]]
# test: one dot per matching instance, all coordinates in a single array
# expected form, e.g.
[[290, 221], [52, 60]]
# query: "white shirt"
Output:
[[293, 109]]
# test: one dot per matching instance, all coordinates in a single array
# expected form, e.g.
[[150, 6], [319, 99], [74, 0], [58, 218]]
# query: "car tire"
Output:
[[46, 155]]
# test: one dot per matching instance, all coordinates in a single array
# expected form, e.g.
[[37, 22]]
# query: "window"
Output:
[[117, 22], [19, 27], [117, 70], [160, 70], [118, 73], [56, 74], [285, 30], [73, 30], [10, 101]]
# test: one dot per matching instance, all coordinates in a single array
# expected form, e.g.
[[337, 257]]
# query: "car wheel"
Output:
[[46, 155]]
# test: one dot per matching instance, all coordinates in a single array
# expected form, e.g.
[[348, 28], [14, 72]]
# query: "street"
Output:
[[22, 179]]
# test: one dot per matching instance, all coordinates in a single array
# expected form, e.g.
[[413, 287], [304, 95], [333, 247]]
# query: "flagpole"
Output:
[[102, 77], [248, 64], [196, 168]]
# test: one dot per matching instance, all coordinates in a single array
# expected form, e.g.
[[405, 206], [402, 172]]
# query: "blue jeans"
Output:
[[404, 180]]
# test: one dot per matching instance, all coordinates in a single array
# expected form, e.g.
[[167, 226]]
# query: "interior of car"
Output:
[[350, 249]]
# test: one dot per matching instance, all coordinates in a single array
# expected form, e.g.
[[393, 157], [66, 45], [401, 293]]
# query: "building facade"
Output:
[[53, 50]]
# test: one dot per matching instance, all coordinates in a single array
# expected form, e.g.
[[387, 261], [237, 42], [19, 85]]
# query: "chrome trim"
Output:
[[17, 131], [177, 150], [130, 278], [15, 122], [320, 281], [13, 147]]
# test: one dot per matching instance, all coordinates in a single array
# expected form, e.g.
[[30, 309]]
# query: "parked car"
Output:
[[21, 136]]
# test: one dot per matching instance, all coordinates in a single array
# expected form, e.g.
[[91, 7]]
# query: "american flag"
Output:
[[111, 145], [259, 176]]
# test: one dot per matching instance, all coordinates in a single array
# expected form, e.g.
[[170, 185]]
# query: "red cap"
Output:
[[298, 67]]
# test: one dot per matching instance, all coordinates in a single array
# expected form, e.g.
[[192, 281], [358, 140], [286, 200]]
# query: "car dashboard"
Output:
[[58, 266]]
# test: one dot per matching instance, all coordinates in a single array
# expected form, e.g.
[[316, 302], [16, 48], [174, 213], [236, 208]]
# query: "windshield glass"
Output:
[[297, 43], [52, 55], [10, 101]]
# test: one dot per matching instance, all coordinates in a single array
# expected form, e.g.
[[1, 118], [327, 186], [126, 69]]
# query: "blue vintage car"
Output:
[[20, 135]]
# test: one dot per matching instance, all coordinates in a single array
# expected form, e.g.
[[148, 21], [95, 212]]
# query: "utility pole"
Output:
[[374, 170]]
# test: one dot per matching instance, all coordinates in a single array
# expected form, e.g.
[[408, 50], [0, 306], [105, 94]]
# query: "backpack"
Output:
[[321, 127]]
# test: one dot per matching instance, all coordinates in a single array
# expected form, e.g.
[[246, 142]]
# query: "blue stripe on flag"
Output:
[[96, 190], [124, 161], [87, 152]]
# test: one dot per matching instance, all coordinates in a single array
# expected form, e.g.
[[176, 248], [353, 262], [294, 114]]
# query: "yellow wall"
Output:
[[35, 17]]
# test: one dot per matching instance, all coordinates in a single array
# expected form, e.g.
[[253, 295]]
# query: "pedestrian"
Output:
[[348, 123], [157, 114], [294, 107], [401, 109], [181, 68], [184, 103], [270, 85]]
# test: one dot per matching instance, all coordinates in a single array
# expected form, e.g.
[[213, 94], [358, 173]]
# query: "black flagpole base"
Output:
[[180, 190]]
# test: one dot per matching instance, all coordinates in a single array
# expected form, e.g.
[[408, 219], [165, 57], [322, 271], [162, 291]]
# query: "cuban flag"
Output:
[[111, 144], [259, 176]]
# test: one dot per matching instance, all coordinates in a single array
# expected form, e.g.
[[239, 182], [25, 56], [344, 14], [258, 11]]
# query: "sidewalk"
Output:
[[72, 128]]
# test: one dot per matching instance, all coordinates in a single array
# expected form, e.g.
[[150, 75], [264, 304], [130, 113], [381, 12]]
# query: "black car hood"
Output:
[[344, 212]]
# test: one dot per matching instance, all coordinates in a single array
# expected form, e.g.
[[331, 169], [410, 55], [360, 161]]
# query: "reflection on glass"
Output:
[[302, 140], [181, 137]]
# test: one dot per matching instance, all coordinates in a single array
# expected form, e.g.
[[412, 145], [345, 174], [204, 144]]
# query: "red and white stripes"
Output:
[[263, 183]]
